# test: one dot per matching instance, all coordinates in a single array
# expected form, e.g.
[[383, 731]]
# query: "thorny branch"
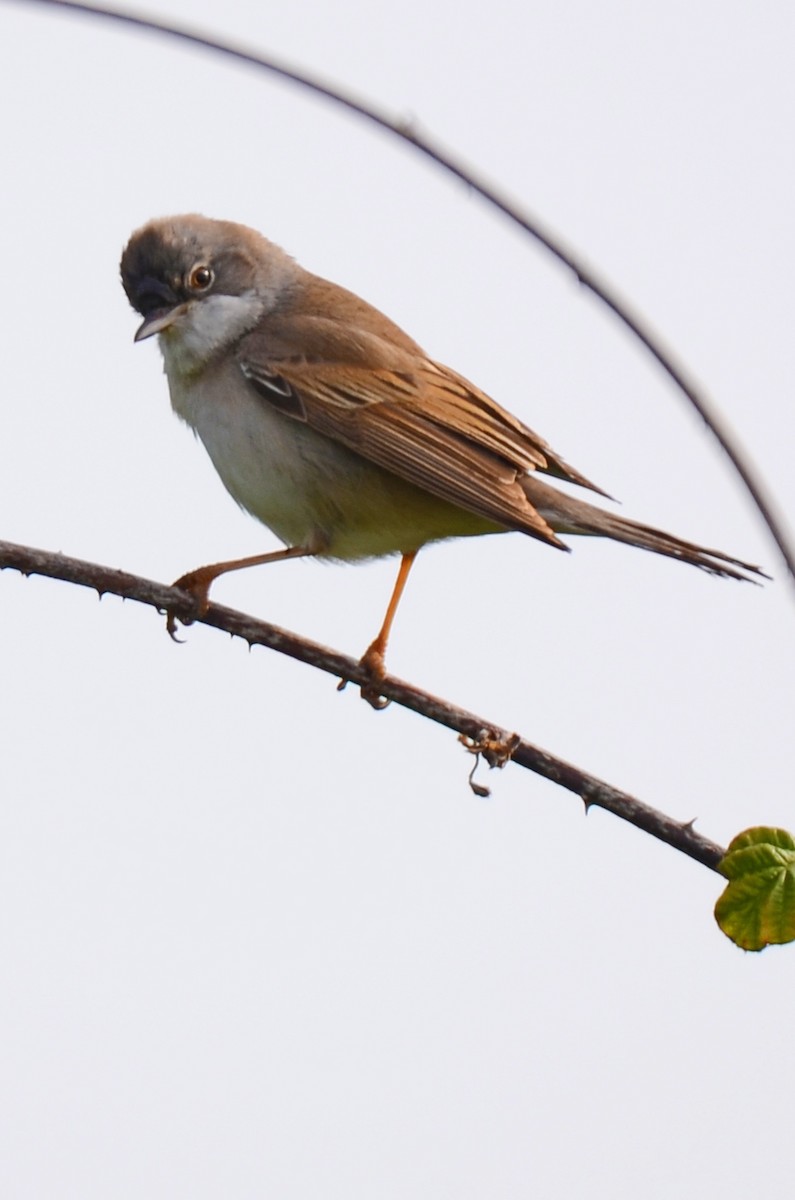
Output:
[[480, 736]]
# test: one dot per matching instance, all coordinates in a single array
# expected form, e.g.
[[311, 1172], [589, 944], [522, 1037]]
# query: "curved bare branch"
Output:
[[409, 132]]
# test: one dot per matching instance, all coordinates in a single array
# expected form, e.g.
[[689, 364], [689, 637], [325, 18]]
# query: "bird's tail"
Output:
[[566, 514]]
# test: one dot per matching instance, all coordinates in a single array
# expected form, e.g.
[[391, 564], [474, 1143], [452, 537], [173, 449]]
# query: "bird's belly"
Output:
[[309, 490]]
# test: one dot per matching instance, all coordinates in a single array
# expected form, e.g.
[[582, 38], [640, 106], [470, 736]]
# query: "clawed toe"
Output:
[[373, 664], [196, 584]]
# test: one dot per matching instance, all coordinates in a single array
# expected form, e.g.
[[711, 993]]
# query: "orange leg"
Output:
[[199, 582], [373, 657]]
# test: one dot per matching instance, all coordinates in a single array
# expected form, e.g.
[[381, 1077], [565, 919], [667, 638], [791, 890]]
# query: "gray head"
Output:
[[172, 263]]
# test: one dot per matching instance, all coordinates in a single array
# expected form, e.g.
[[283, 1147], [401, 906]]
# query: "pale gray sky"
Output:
[[256, 939]]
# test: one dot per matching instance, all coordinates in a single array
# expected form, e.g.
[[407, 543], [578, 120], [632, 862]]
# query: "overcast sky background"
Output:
[[257, 939]]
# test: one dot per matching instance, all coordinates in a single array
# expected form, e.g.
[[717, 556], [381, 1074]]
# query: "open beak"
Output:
[[159, 320]]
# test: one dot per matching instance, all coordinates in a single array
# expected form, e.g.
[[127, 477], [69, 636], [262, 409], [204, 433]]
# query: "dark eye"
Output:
[[200, 278]]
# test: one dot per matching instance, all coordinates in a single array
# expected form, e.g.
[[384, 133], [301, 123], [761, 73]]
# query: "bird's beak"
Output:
[[159, 320]]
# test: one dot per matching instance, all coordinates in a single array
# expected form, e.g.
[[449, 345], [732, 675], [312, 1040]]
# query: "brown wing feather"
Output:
[[404, 412]]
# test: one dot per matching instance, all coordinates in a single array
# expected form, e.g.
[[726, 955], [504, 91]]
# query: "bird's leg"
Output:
[[199, 582], [373, 658]]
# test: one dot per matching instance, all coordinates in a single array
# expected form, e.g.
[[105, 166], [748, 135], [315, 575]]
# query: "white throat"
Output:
[[208, 326]]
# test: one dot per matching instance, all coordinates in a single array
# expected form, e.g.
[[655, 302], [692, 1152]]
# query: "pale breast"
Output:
[[309, 490]]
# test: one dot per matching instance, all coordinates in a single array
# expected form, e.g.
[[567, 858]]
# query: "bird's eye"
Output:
[[200, 278]]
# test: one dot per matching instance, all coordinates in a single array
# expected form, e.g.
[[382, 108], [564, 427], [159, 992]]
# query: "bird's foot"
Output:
[[197, 585], [373, 664]]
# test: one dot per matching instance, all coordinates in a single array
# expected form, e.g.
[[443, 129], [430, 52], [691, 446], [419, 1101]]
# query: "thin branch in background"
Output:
[[480, 736], [409, 132]]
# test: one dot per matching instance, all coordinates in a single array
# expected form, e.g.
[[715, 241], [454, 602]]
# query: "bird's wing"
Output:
[[411, 416]]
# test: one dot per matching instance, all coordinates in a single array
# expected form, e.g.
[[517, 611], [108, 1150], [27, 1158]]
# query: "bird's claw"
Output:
[[198, 588], [373, 665]]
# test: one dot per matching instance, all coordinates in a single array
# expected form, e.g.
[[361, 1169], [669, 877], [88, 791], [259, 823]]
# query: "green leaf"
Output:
[[758, 907]]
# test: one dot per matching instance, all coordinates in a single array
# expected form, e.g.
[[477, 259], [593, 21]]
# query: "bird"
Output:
[[334, 428]]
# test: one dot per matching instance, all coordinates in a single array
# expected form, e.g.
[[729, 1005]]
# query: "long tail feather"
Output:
[[565, 514]]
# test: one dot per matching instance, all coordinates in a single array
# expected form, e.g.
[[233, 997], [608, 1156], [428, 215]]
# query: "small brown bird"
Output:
[[332, 427]]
